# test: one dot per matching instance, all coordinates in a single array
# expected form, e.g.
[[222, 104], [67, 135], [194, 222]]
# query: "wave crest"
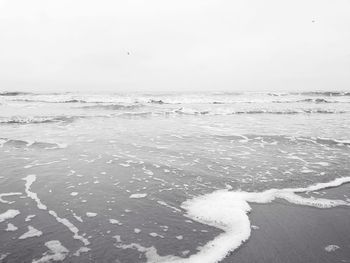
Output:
[[49, 101], [113, 107], [13, 93], [38, 120], [189, 111], [323, 93]]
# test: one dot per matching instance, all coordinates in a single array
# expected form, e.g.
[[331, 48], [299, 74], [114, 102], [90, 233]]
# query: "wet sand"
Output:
[[297, 234]]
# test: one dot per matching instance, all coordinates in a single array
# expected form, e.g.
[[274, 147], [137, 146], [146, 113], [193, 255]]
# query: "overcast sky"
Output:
[[178, 45]]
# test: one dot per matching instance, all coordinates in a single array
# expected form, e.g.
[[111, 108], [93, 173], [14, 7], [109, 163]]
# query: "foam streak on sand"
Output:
[[32, 232], [11, 227], [11, 213], [7, 194], [136, 196], [228, 210], [30, 179], [39, 164], [58, 252]]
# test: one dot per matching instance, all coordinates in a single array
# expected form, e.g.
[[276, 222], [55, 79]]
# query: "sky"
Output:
[[178, 45]]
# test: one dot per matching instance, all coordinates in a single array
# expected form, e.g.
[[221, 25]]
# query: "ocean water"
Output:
[[160, 177]]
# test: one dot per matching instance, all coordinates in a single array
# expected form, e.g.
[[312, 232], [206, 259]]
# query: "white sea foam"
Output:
[[331, 248], [150, 253], [30, 179], [77, 217], [11, 213], [228, 210], [7, 194], [11, 227], [29, 217], [2, 142], [90, 214], [169, 206], [153, 234], [117, 237], [39, 164], [323, 163], [32, 232], [136, 196], [71, 227], [57, 252], [115, 221], [81, 250]]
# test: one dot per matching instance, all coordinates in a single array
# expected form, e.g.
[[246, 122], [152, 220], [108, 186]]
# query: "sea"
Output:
[[161, 177]]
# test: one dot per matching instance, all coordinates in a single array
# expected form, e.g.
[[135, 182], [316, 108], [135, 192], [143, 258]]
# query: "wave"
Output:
[[189, 111], [15, 143], [322, 93], [169, 100], [284, 139], [330, 141], [192, 112], [153, 101], [324, 111], [318, 100], [13, 93], [38, 120], [180, 98], [49, 101], [311, 93], [139, 114], [230, 100], [113, 107], [228, 93], [127, 111], [277, 94]]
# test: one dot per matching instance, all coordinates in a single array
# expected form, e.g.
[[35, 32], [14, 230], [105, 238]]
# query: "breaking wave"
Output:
[[308, 100], [180, 98], [132, 111], [13, 93], [50, 101], [171, 100], [189, 111], [312, 93], [38, 120], [323, 93], [218, 112], [113, 107]]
